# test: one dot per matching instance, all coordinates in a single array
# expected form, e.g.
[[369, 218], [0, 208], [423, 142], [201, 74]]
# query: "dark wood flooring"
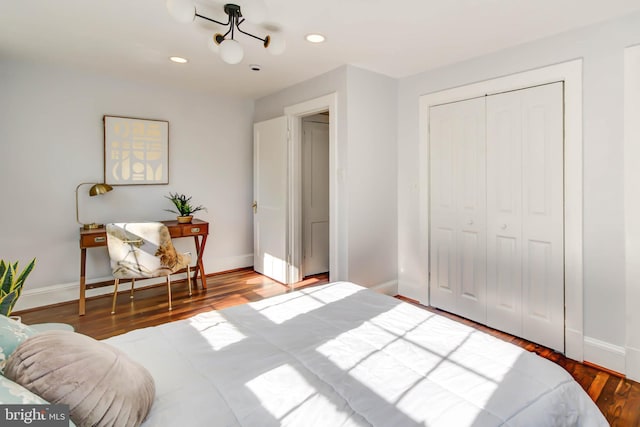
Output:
[[617, 398]]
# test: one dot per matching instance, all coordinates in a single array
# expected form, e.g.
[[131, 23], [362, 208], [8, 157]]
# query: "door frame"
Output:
[[632, 210], [571, 74], [294, 114]]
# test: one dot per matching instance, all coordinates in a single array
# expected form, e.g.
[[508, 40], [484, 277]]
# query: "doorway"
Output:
[[337, 241], [315, 194]]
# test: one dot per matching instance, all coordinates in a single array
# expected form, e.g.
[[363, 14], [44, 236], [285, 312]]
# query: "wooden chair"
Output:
[[143, 250]]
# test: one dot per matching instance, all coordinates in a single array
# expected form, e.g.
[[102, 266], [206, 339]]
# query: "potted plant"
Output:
[[184, 208], [11, 284]]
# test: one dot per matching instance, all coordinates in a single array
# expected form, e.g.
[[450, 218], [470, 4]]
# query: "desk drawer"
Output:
[[93, 240], [175, 232], [195, 229]]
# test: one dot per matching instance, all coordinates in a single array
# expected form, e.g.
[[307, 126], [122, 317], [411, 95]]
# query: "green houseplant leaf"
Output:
[[11, 284], [183, 205]]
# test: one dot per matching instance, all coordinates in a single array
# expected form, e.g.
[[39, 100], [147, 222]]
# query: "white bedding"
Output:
[[341, 355]]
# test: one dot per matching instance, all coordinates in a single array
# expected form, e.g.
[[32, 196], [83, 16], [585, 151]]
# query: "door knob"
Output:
[[255, 207], [503, 226], [470, 222]]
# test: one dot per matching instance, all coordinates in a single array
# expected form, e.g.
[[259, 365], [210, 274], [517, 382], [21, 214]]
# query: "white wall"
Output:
[[51, 139], [371, 172], [366, 168], [601, 48]]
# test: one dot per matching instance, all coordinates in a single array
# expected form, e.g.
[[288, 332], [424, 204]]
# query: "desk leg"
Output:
[[83, 265], [200, 266]]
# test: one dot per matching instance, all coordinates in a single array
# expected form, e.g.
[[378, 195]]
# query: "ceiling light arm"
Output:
[[213, 20], [265, 40]]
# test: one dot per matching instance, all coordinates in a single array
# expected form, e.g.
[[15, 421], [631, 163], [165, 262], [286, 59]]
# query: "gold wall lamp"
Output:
[[95, 190]]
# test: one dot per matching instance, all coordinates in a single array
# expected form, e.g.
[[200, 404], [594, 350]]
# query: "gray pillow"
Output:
[[101, 384]]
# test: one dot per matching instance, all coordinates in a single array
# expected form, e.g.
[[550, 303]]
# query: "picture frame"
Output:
[[136, 151]]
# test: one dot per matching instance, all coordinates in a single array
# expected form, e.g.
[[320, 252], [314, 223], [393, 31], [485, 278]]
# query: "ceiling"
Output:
[[133, 39]]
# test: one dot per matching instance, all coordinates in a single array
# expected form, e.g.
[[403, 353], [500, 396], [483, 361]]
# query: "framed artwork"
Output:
[[136, 151]]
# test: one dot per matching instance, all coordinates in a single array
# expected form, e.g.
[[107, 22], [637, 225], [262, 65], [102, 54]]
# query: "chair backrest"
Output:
[[142, 249]]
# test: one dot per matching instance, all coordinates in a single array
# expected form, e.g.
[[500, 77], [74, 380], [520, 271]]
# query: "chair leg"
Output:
[[189, 278], [169, 290], [133, 281], [115, 295]]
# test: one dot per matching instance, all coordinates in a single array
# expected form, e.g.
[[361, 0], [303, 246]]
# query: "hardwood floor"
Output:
[[617, 398]]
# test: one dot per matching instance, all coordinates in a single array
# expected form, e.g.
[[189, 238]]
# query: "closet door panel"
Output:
[[504, 212], [444, 266], [543, 216], [443, 262], [458, 217], [472, 210], [525, 278]]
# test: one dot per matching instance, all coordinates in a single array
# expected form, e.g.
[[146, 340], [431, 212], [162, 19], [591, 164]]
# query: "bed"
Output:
[[342, 355]]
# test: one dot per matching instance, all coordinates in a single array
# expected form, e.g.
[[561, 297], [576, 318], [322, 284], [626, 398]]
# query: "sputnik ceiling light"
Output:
[[230, 50]]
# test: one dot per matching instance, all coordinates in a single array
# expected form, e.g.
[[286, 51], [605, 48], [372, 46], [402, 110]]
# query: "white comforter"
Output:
[[341, 355]]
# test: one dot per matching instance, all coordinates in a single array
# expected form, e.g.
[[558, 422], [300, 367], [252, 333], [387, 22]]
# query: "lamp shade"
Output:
[[183, 11], [98, 189], [231, 52]]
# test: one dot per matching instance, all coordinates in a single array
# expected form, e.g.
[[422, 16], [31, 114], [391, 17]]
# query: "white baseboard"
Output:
[[230, 263], [605, 354], [574, 344], [633, 363], [413, 290], [65, 292], [387, 288]]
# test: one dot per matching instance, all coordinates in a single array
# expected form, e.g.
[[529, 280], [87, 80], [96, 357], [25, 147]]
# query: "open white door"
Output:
[[270, 198]]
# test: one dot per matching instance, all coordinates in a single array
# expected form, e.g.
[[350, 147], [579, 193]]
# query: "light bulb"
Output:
[[183, 11], [254, 11], [231, 52], [277, 44]]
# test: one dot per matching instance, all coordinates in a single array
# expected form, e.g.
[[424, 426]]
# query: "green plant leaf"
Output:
[[183, 204], [7, 279], [7, 302], [11, 284]]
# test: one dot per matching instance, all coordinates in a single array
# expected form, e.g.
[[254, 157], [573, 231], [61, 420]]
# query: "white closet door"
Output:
[[458, 211], [525, 263]]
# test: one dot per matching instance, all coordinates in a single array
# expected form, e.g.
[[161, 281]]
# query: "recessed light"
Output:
[[314, 38], [178, 59]]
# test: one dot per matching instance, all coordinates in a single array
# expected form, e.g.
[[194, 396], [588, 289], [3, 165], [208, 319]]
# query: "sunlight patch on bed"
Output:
[[278, 314], [333, 291], [281, 390], [217, 334], [387, 347]]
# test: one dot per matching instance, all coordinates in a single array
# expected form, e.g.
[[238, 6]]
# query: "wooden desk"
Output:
[[95, 238]]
